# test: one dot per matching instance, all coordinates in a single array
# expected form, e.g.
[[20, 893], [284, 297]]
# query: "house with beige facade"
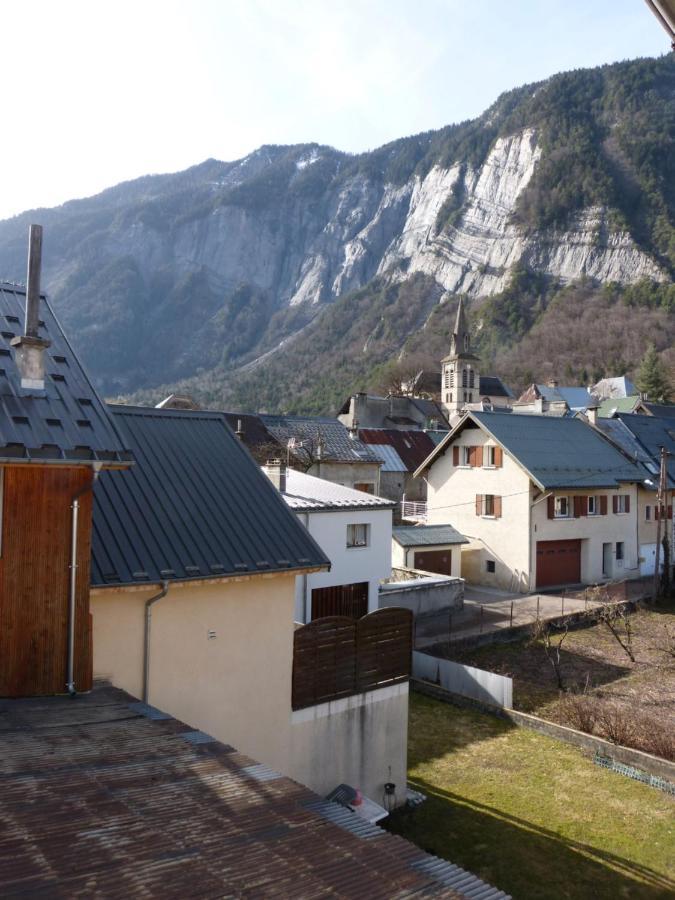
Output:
[[196, 559], [544, 501]]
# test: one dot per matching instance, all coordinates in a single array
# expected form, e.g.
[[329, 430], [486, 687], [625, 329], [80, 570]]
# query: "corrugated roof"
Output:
[[493, 386], [391, 461], [412, 446], [100, 799], [620, 387], [196, 505], [576, 398], [427, 535], [557, 452], [654, 432], [608, 408], [66, 421], [307, 492], [253, 432], [338, 446], [660, 410]]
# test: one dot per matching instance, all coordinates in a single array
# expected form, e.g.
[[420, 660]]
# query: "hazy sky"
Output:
[[96, 93]]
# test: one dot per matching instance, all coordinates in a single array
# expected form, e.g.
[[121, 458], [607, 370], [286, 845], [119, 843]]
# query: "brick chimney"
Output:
[[30, 347], [275, 469]]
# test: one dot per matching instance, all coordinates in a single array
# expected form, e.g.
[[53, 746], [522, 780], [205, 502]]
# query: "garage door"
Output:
[[558, 562], [439, 561]]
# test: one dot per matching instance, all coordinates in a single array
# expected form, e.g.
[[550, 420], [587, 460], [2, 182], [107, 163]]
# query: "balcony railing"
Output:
[[414, 510], [337, 656]]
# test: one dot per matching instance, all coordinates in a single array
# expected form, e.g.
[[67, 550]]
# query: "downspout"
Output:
[[72, 590], [305, 600], [146, 637]]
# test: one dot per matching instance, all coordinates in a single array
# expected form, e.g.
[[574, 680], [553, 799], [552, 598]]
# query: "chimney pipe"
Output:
[[275, 469], [240, 430], [29, 346]]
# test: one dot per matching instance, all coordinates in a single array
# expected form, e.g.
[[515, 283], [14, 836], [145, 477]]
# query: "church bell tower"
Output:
[[460, 379]]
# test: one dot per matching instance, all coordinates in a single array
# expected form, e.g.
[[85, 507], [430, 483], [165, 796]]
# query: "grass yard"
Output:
[[531, 815]]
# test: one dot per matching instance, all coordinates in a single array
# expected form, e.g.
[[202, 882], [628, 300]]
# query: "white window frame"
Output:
[[358, 535], [556, 508], [594, 500], [621, 505], [484, 506], [491, 450], [466, 456]]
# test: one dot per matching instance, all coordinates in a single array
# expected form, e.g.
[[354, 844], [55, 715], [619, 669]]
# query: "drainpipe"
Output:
[[72, 589], [146, 637], [305, 599]]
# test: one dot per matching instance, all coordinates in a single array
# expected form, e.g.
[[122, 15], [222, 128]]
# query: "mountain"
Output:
[[289, 278]]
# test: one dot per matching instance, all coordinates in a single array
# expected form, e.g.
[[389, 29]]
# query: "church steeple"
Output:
[[460, 377]]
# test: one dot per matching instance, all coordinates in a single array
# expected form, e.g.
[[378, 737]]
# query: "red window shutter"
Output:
[[455, 455], [670, 512], [551, 507], [584, 506], [577, 507], [479, 456], [479, 504], [603, 505], [615, 504], [627, 503], [498, 457], [497, 507], [656, 513]]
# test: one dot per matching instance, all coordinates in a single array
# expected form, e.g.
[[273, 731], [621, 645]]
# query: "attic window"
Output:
[[57, 377], [84, 401], [54, 423], [14, 319], [60, 359], [20, 420], [8, 334], [84, 423], [4, 352]]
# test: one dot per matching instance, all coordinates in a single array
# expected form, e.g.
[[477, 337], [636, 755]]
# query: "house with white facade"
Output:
[[544, 501], [354, 531]]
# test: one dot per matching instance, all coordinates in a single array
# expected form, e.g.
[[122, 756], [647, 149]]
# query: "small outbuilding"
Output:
[[429, 548]]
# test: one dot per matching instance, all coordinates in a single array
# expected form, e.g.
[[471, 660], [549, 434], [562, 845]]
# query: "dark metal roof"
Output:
[[653, 432], [195, 506], [253, 433], [412, 446], [65, 422], [663, 412], [337, 443], [105, 797], [557, 452], [493, 386], [427, 535]]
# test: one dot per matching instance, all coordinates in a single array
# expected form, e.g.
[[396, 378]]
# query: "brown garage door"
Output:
[[439, 561], [340, 600], [558, 562]]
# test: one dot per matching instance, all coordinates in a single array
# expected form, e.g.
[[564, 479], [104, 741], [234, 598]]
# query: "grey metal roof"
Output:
[[196, 505], [307, 492], [65, 422], [653, 432], [575, 397], [557, 452], [427, 535], [338, 446], [493, 386], [391, 461]]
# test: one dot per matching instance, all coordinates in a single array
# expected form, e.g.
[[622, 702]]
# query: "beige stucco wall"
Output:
[[451, 498], [221, 658], [405, 557], [348, 474]]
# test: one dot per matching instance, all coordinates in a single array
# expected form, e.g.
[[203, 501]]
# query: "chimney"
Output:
[[552, 383], [240, 430], [275, 469], [592, 414], [30, 347]]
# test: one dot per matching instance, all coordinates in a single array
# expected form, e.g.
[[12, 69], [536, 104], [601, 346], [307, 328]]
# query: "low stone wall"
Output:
[[654, 765], [421, 593]]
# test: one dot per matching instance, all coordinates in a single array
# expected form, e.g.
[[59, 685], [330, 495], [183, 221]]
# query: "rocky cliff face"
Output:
[[216, 267]]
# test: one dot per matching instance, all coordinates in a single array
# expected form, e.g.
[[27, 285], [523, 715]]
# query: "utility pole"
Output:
[[661, 508]]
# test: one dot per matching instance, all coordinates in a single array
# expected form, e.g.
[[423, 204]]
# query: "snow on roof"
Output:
[[308, 492]]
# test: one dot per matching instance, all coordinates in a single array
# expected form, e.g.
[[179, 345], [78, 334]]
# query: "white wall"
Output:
[[348, 565]]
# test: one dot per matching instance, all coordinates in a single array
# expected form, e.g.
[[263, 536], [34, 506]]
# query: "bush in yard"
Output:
[[617, 723], [579, 711]]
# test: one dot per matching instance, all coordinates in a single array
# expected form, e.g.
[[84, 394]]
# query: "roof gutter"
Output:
[[149, 603]]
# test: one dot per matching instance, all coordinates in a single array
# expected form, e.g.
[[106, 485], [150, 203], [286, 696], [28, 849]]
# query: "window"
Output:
[[492, 457], [471, 377], [592, 506], [562, 507], [467, 456], [619, 551], [489, 565], [489, 505], [358, 535], [465, 378], [621, 503], [648, 513]]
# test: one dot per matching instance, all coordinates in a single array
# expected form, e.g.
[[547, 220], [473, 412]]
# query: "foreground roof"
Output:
[[102, 796], [427, 535], [338, 445], [557, 452], [307, 492], [65, 422], [196, 505], [412, 447]]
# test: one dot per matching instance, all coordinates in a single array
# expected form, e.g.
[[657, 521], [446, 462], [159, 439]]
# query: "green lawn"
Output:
[[531, 815]]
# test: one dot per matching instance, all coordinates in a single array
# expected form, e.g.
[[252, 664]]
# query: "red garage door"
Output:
[[558, 562], [439, 561]]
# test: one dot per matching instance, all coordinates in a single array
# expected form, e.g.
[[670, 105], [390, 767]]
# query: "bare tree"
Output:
[[543, 633], [616, 618]]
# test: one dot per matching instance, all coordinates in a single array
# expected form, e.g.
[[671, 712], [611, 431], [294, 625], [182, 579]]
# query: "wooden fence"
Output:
[[338, 656]]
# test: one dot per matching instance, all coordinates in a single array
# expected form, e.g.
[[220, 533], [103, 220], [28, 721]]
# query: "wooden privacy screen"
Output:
[[338, 656]]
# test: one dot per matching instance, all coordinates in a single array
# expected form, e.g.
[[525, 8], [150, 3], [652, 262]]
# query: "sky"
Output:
[[97, 93]]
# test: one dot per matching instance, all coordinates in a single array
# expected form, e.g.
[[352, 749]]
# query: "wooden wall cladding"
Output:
[[35, 577]]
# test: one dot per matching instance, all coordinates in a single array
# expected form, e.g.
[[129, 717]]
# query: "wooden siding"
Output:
[[35, 576], [340, 600], [339, 656]]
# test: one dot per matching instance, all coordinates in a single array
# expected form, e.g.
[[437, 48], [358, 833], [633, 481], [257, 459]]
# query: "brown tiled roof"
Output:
[[413, 447], [101, 796]]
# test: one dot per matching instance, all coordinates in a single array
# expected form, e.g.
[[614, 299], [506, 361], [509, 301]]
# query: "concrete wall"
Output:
[[424, 595], [451, 497], [221, 659], [363, 741], [467, 681], [348, 474], [349, 565]]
